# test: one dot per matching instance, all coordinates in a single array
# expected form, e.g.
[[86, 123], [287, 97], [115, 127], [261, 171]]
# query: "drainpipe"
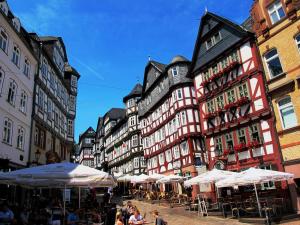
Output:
[[33, 102]]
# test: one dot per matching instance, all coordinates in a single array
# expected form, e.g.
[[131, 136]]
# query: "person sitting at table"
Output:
[[72, 218], [136, 218], [119, 219], [158, 219]]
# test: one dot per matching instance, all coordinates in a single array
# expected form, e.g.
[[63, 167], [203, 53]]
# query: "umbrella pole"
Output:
[[65, 201], [258, 204], [79, 197]]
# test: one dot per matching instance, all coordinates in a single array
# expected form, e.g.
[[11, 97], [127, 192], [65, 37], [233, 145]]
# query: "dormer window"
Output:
[[213, 40], [16, 24], [4, 7], [276, 11], [175, 71]]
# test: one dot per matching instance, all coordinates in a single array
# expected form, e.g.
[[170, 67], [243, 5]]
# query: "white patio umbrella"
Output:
[[155, 177], [254, 176], [58, 175], [170, 179], [125, 178], [209, 177], [140, 179]]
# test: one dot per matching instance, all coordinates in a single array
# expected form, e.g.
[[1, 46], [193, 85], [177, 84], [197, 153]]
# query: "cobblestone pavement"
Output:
[[180, 216]]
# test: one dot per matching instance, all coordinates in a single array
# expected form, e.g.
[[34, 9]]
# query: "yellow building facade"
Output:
[[277, 26]]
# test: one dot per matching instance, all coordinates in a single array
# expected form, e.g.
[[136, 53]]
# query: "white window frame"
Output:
[[175, 72], [12, 92], [176, 152], [132, 121], [26, 70], [213, 41], [23, 102], [179, 93], [136, 162], [169, 157], [20, 138], [268, 185], [161, 159], [7, 131], [184, 151], [271, 58], [284, 107], [135, 140], [274, 7], [2, 46], [16, 56], [2, 77]]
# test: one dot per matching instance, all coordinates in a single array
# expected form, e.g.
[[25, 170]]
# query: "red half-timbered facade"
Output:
[[235, 114], [169, 120]]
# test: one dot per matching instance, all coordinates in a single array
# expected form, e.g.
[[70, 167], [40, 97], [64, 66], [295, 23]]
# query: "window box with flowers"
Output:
[[210, 115], [205, 83], [240, 147], [230, 105], [216, 76], [243, 100], [254, 144]]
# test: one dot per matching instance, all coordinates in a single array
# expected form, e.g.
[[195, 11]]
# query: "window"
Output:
[[287, 113], [176, 152], [20, 138], [243, 90], [36, 136], [184, 148], [179, 94], [50, 110], [254, 133], [72, 102], [231, 96], [169, 155], [44, 69], [23, 102], [42, 139], [213, 40], [175, 71], [130, 103], [1, 80], [143, 161], [210, 106], [135, 140], [26, 70], [297, 39], [74, 81], [52, 81], [132, 121], [16, 56], [229, 141], [273, 63], [220, 102], [276, 11], [242, 136], [161, 159], [3, 40], [41, 99], [154, 161], [218, 146], [12, 91], [183, 118], [7, 131], [270, 184]]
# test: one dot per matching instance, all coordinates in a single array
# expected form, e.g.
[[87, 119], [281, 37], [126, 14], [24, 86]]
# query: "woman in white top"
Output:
[[136, 218]]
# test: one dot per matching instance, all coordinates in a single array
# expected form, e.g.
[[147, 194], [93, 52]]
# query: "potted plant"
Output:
[[240, 147], [243, 100]]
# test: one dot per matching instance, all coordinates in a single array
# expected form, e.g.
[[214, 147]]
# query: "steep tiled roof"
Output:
[[135, 92]]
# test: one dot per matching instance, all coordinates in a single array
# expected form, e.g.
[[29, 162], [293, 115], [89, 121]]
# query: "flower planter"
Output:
[[230, 105], [240, 147], [243, 101], [254, 144], [210, 115]]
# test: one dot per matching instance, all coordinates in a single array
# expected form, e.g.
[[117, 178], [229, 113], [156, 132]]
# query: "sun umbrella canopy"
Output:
[[254, 176], [209, 177], [139, 179], [170, 179], [155, 177], [125, 178], [58, 175]]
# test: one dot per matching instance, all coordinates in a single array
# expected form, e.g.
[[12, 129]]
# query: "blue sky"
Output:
[[108, 41]]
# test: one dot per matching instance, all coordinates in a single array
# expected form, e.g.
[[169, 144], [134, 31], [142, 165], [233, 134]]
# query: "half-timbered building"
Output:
[[98, 147], [123, 144], [86, 143], [170, 119], [235, 114], [54, 102]]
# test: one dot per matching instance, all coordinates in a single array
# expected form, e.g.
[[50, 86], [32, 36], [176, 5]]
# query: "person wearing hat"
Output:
[[158, 219]]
